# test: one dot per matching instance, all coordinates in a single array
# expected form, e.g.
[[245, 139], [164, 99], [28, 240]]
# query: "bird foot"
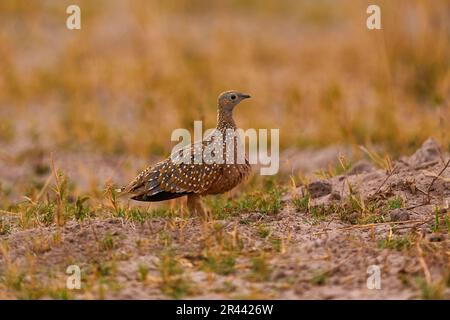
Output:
[[195, 206]]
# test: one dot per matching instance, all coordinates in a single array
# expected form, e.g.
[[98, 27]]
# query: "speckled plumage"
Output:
[[170, 179]]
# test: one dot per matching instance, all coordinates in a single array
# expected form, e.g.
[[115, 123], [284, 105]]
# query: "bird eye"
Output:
[[233, 97]]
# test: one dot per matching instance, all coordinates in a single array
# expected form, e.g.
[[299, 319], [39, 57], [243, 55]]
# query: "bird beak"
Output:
[[244, 96]]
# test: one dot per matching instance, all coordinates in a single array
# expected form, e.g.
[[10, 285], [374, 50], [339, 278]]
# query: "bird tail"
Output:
[[159, 196]]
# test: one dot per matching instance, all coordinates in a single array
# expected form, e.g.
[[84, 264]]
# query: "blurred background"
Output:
[[139, 69], [83, 111]]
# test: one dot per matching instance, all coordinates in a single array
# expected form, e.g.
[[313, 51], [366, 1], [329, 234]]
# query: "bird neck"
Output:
[[225, 120]]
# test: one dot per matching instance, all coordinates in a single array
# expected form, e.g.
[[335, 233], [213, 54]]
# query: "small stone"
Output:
[[429, 151], [279, 275], [319, 188], [335, 195], [399, 215], [252, 217], [353, 217], [359, 167], [436, 237]]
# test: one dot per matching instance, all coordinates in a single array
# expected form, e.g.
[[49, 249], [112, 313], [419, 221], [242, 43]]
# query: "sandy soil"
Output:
[[318, 253]]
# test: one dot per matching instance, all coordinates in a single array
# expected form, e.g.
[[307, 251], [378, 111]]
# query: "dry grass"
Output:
[[104, 100]]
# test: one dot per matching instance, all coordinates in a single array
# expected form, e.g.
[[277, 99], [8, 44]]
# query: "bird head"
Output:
[[229, 99]]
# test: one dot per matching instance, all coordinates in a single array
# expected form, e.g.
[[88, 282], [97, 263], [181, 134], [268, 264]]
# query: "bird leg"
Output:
[[195, 205]]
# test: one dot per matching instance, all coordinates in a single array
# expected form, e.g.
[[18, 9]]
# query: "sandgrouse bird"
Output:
[[172, 178]]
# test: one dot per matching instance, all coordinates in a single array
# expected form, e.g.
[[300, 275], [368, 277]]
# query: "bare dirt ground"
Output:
[[319, 245]]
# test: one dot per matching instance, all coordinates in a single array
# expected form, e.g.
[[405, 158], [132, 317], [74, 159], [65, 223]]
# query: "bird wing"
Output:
[[176, 177]]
